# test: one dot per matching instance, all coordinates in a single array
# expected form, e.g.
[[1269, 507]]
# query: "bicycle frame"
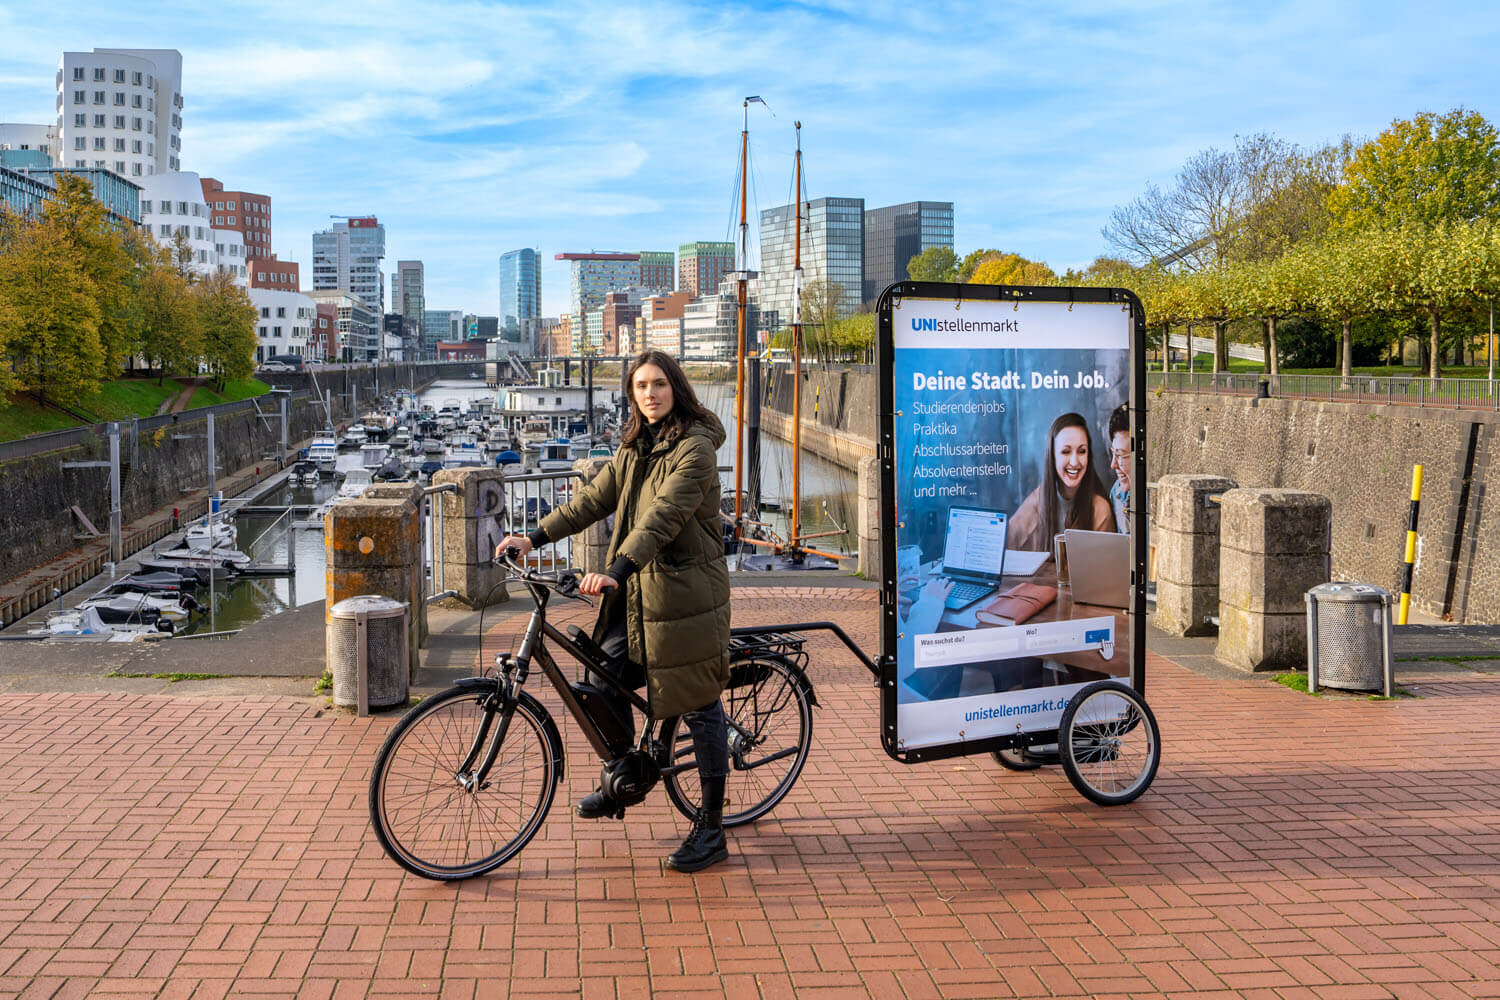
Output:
[[513, 677]]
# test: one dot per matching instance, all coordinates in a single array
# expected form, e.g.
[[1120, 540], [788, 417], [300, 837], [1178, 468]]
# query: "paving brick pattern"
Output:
[[1291, 847]]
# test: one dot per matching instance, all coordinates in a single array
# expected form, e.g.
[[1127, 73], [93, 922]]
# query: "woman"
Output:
[[664, 619], [1070, 495]]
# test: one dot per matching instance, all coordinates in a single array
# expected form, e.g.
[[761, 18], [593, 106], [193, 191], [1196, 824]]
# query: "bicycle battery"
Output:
[[616, 731], [585, 642]]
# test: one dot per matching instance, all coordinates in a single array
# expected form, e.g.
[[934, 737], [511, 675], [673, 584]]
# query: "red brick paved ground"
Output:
[[1291, 847]]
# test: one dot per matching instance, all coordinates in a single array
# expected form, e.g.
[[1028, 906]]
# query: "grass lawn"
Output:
[[117, 400], [240, 389]]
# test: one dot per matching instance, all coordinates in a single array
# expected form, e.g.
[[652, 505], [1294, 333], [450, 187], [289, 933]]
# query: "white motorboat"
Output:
[[354, 437], [87, 625], [462, 451], [356, 481], [219, 557], [555, 456], [133, 607], [208, 533], [325, 451], [432, 446], [373, 456]]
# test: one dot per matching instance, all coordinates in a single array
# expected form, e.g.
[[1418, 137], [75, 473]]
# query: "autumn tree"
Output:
[[972, 260], [172, 339], [1012, 269], [933, 264], [50, 314], [97, 246], [226, 318], [1422, 172]]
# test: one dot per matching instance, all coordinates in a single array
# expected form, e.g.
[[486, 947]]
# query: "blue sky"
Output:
[[472, 128]]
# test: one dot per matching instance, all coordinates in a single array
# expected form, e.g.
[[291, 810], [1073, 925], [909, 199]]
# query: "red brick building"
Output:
[[268, 272], [247, 213], [323, 338], [460, 350], [618, 311]]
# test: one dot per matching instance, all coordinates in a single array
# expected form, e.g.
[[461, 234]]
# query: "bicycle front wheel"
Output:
[[769, 710], [432, 813], [1109, 743]]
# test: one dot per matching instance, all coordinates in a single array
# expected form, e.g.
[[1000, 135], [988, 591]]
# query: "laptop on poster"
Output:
[[1099, 567], [973, 553]]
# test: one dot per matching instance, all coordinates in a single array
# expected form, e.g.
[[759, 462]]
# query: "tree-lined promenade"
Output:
[[1344, 250], [83, 299]]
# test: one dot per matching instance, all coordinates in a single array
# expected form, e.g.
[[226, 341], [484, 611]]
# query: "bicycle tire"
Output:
[[768, 706], [426, 821], [1015, 760], [1109, 742]]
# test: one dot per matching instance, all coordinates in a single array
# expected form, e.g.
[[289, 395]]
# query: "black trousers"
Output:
[[708, 726]]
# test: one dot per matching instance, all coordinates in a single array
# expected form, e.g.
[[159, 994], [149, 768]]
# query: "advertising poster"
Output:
[[1011, 485]]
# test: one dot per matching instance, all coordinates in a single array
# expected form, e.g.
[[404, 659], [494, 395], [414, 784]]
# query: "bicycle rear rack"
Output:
[[786, 639]]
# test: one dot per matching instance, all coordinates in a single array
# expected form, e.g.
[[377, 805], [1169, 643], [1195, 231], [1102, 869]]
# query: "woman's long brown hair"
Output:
[[686, 410], [1080, 512]]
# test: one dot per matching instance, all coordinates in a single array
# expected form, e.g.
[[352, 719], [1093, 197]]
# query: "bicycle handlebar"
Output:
[[565, 584]]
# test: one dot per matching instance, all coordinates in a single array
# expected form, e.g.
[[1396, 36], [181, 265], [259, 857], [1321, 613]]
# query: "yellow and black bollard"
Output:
[[1411, 544]]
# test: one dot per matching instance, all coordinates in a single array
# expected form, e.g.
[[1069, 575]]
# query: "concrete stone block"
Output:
[[362, 533], [1253, 641], [413, 493], [869, 517], [1186, 610], [1182, 504], [1276, 521], [1188, 560], [472, 523], [1270, 584]]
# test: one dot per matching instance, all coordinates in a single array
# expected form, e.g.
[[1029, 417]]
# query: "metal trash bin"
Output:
[[1349, 637], [368, 654]]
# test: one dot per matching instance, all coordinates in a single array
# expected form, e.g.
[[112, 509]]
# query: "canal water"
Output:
[[828, 504]]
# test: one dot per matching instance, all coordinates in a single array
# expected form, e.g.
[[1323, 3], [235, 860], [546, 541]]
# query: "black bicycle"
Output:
[[465, 779]]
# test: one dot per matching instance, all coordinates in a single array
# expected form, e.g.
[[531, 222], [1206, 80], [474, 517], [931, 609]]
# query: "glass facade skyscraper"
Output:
[[520, 288], [833, 247], [896, 234], [348, 257]]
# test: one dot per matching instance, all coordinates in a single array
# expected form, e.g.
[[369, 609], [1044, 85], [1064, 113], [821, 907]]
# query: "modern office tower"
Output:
[[120, 109], [489, 327], [171, 203], [593, 274], [358, 324], [409, 293], [31, 180], [348, 256], [710, 324], [897, 233], [701, 266], [39, 138], [658, 271], [520, 288], [247, 213], [833, 248], [440, 325]]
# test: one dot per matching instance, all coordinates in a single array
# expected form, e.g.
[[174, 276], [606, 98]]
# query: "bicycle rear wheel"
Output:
[[430, 816], [1109, 743], [769, 709]]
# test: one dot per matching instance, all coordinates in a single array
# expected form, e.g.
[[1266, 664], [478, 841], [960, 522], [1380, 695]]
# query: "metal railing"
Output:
[[36, 444], [1446, 393], [527, 499]]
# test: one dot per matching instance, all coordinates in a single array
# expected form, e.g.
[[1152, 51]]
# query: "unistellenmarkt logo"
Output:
[[931, 324]]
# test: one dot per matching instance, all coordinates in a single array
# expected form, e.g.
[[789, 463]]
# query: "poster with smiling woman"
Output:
[[1007, 495]]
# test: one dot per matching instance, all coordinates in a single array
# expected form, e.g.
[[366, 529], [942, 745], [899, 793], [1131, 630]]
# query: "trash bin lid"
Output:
[[365, 604], [1352, 593]]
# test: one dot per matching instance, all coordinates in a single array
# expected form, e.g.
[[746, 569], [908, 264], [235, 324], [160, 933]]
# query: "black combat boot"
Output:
[[596, 805], [705, 844]]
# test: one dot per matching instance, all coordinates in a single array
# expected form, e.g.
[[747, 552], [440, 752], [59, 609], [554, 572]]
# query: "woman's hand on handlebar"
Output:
[[596, 584], [518, 542]]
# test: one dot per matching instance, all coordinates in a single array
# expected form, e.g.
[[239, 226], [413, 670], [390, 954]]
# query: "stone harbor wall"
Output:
[[1361, 458]]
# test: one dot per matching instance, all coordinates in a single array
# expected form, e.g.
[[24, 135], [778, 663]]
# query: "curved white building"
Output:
[[172, 203], [284, 322], [120, 109]]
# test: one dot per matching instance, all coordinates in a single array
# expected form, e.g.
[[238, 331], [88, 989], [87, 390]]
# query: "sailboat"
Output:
[[790, 552]]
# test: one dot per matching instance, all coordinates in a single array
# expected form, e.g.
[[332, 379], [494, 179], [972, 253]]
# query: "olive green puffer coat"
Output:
[[667, 522]]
